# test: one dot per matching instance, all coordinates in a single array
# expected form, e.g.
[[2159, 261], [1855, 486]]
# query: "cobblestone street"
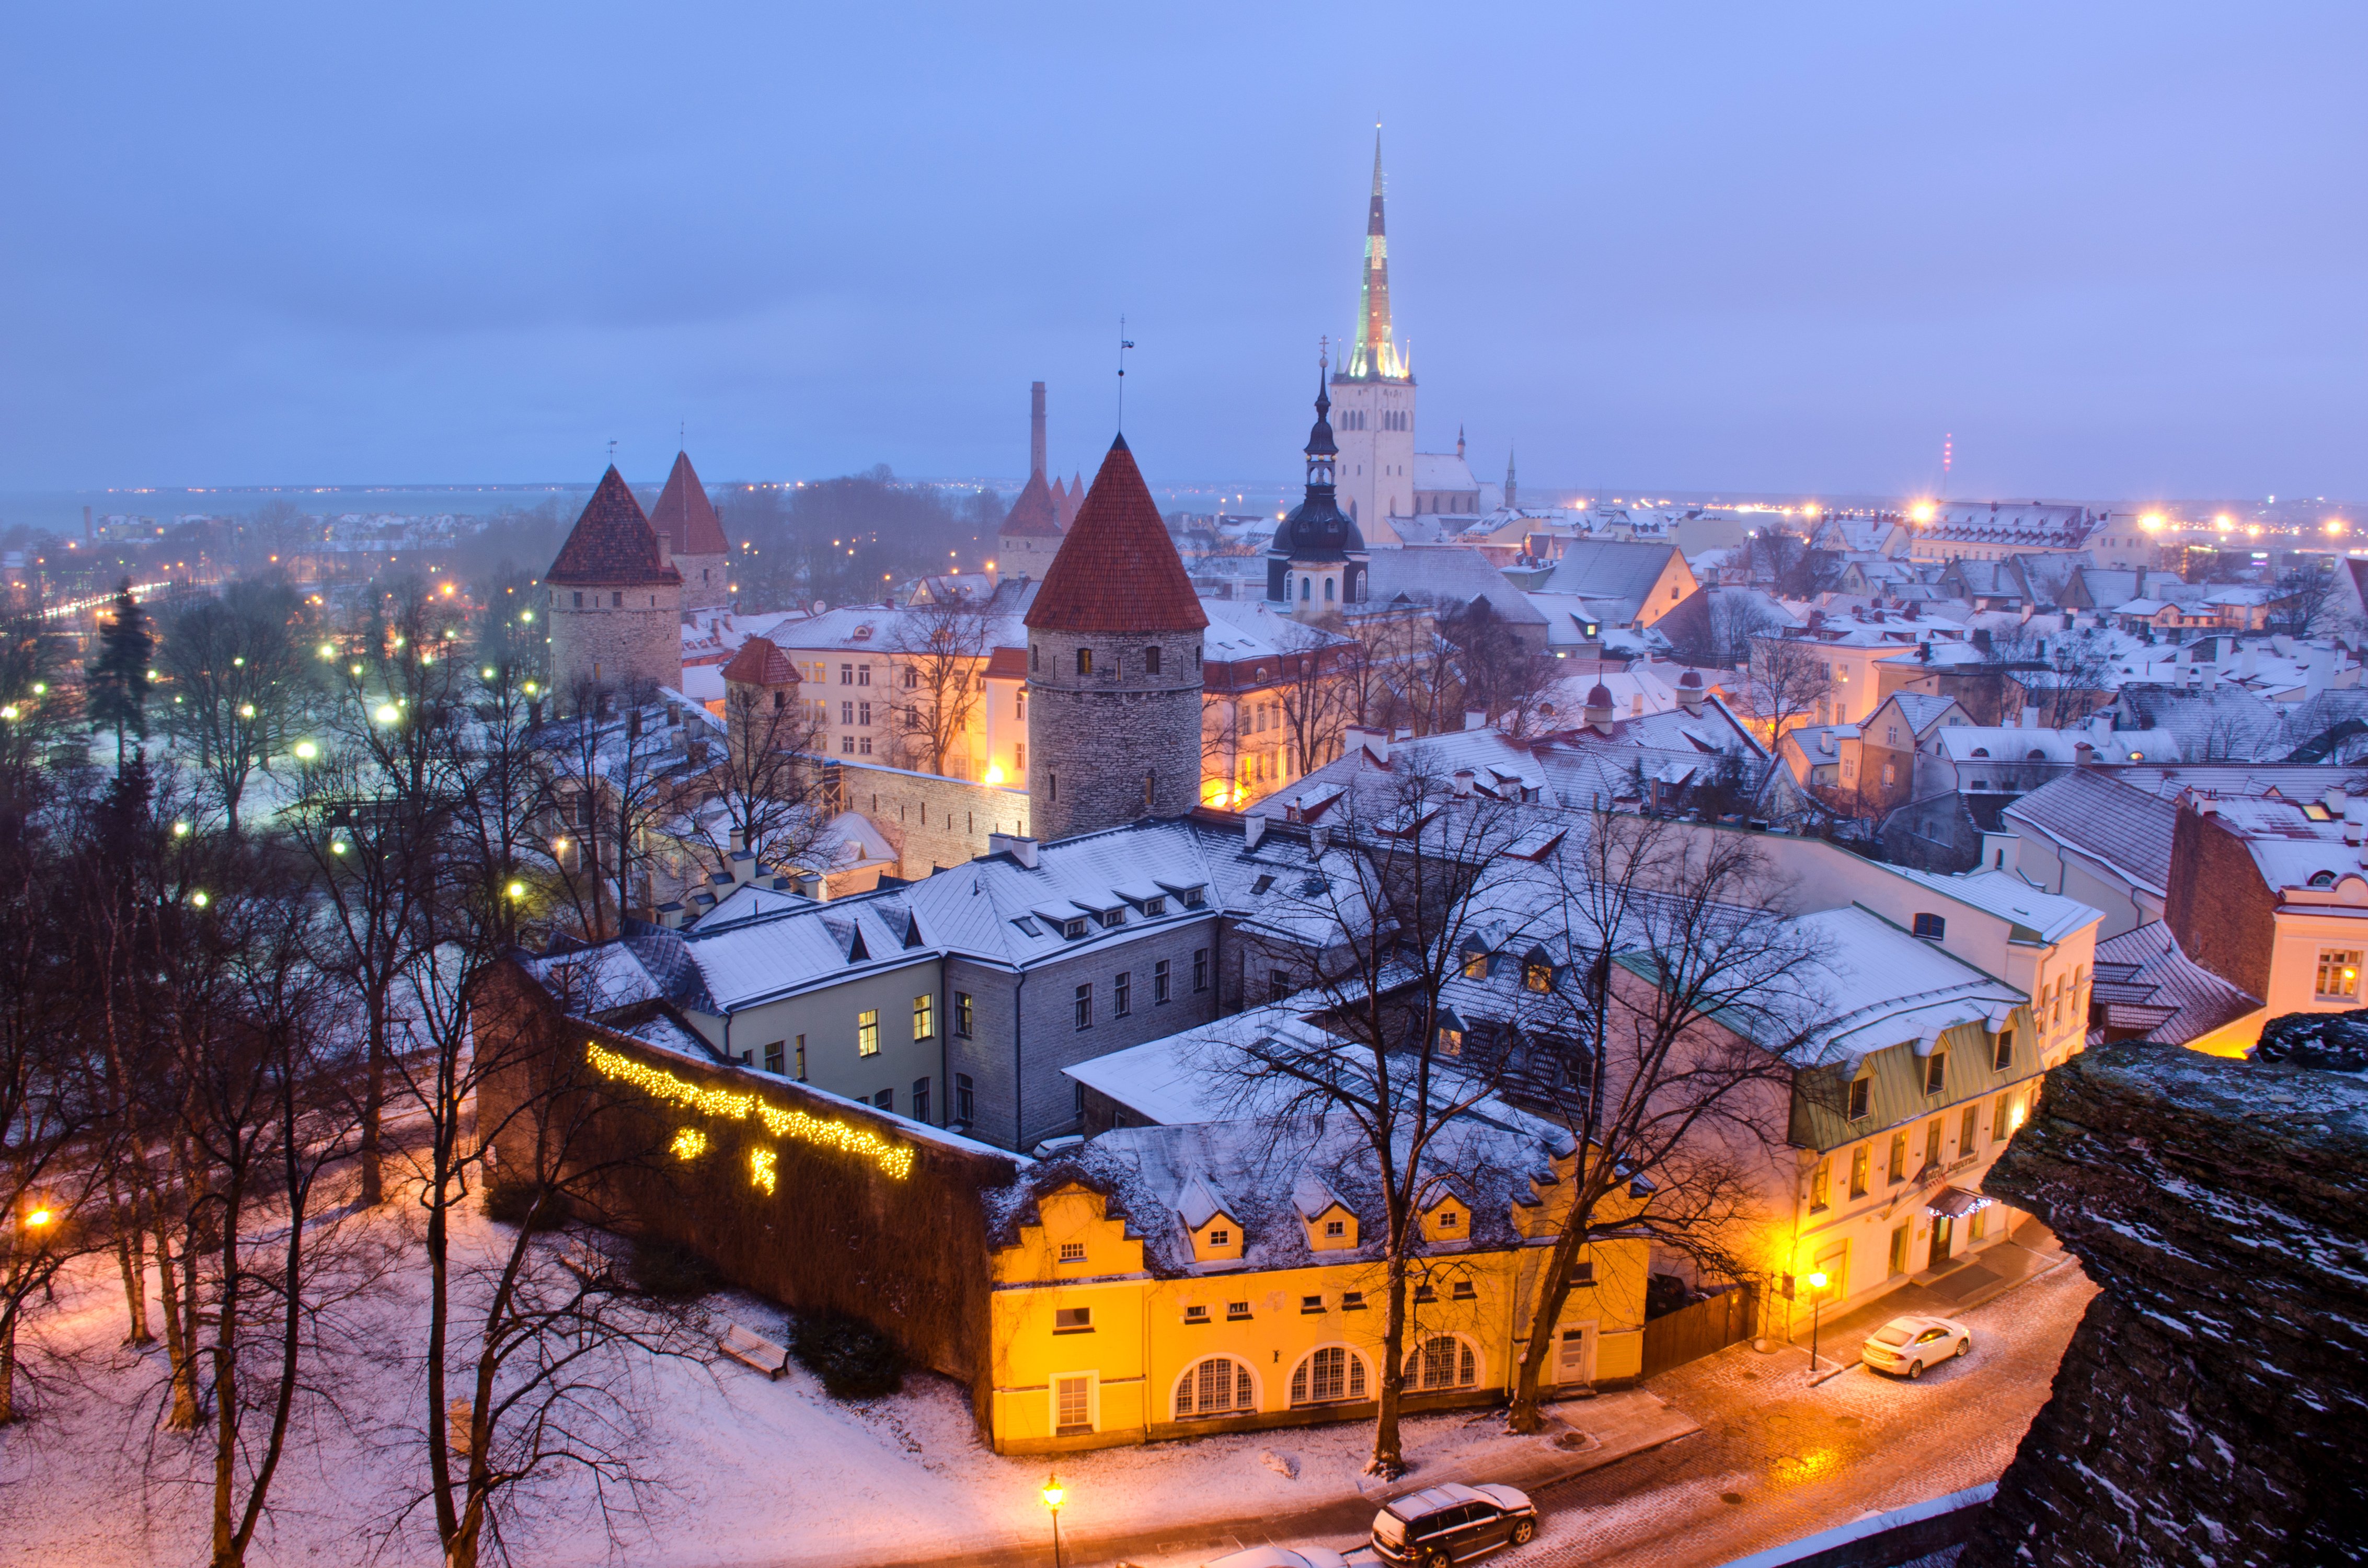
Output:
[[1777, 1460]]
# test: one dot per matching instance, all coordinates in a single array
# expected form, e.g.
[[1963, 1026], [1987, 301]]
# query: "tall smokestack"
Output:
[[1035, 427]]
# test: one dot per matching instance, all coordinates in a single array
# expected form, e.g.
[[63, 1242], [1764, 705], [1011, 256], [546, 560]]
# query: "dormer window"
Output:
[[1333, 1229], [1537, 973], [1153, 906], [1073, 930], [1476, 964], [1110, 917], [1931, 927], [1192, 898], [1449, 1218], [1220, 1237], [2322, 878]]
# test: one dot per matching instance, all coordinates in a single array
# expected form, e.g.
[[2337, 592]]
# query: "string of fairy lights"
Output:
[[895, 1160]]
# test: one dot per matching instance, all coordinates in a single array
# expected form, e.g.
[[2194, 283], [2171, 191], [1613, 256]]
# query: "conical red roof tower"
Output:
[[1117, 571], [685, 516], [613, 545]]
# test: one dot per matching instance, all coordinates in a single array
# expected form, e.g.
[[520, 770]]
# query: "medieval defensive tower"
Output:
[[1114, 666], [615, 605]]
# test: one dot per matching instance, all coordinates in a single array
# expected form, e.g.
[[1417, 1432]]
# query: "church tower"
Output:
[[1374, 394], [615, 608], [686, 519], [1114, 644], [1317, 563], [1031, 534]]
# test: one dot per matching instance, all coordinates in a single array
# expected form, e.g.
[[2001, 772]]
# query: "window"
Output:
[[1335, 1229], [1159, 982], [1898, 1156], [962, 1016], [1154, 906], [1084, 1005], [1352, 1301], [1933, 1141], [1310, 1304], [1936, 1071], [1084, 661], [912, 676], [2338, 973], [1072, 1405], [1199, 969], [1150, 786], [1034, 662], [1820, 1180], [1476, 964], [2003, 1058], [1073, 929], [1930, 926], [1110, 917], [1329, 1374], [1237, 1311], [1426, 1294], [1582, 1274], [1450, 1042], [863, 675], [1277, 983], [1899, 1249], [920, 1099], [864, 745], [1861, 1090], [617, 601], [1859, 1161], [579, 601], [1537, 974], [1464, 1292], [1196, 1315], [1073, 1252], [1449, 1218], [1073, 1320], [802, 1058], [1151, 661], [867, 1032], [885, 1099], [1444, 1362], [1220, 1237], [863, 713], [773, 1056], [2000, 1126], [847, 675], [1969, 1126], [924, 1018], [1122, 994], [965, 1100], [1019, 757], [1217, 1386]]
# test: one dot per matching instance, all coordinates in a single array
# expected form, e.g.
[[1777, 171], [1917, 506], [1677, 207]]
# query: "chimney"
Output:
[[670, 916], [1253, 831], [1463, 784], [2030, 717], [1689, 692], [2083, 754], [2335, 800], [1475, 719], [2248, 662], [739, 841], [1375, 744], [1035, 427], [1020, 849], [2356, 821], [744, 868]]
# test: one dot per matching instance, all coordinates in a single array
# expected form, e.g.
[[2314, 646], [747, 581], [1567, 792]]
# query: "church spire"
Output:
[[1376, 357], [1320, 450], [1512, 490]]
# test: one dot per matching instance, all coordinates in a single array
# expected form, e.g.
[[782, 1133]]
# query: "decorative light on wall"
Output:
[[689, 1143], [761, 1170], [895, 1160]]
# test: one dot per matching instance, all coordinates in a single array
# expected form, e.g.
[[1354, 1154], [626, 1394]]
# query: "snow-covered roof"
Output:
[[2037, 916], [2097, 812], [1875, 986], [1974, 742], [2145, 982], [1443, 470]]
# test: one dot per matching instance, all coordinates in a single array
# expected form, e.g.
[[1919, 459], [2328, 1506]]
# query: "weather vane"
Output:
[[612, 452], [1124, 343]]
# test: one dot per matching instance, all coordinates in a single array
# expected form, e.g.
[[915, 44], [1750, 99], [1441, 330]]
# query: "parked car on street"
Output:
[[1908, 1344], [1452, 1523], [1279, 1557]]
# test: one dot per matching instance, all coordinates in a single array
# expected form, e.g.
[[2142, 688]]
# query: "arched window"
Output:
[[1084, 661], [1150, 786], [1305, 584], [1151, 661], [780, 699], [1444, 1362], [1328, 1376], [1035, 660], [1327, 590], [1218, 1386]]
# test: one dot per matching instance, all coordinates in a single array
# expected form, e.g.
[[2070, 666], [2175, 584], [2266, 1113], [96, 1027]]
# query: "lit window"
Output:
[[867, 1032], [2338, 974], [1861, 1090], [924, 1018]]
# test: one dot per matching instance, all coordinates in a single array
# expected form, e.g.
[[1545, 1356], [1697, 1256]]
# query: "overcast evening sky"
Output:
[[2116, 250]]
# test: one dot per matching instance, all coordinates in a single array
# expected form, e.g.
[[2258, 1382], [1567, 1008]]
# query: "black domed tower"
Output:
[[1317, 563]]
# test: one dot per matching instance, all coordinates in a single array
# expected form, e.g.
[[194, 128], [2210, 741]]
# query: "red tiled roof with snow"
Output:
[[685, 516], [613, 545], [1034, 512], [1117, 571], [1007, 664], [760, 663]]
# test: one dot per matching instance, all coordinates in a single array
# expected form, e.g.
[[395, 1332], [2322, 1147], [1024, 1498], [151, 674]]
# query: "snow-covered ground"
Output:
[[744, 1471]]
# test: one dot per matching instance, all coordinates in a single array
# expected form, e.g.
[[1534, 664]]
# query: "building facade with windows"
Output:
[[1176, 1281]]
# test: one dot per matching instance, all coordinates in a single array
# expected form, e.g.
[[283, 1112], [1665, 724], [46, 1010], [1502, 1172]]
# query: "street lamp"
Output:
[[1052, 1495], [1816, 1314]]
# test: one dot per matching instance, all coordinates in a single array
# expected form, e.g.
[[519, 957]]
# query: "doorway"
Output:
[[1939, 1253]]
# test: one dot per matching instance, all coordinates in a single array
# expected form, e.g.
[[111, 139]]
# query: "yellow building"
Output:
[[1172, 1281]]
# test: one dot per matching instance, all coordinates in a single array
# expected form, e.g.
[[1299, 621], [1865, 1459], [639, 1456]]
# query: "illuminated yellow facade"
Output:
[[1091, 1347]]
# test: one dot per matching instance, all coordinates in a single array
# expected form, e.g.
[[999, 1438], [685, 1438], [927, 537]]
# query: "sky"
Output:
[[2112, 250]]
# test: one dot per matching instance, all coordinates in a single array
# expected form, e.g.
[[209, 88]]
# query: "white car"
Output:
[[1279, 1557], [1911, 1343]]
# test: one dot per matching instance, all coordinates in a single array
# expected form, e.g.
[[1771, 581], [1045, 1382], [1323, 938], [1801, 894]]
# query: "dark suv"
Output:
[[1452, 1523]]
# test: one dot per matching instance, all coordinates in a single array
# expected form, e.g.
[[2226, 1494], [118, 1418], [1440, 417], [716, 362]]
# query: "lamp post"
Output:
[[1817, 1316], [1052, 1495]]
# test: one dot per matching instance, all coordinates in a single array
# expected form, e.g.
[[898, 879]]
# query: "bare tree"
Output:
[[1788, 679], [1687, 982], [940, 645], [763, 782], [606, 785], [1410, 874], [2307, 604], [1315, 696], [237, 678], [2065, 675]]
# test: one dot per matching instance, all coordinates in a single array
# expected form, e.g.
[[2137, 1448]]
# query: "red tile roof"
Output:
[[1007, 664], [1117, 571], [760, 663], [612, 545], [1034, 512], [685, 514]]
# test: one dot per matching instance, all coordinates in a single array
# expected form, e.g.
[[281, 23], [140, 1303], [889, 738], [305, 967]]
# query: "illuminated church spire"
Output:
[[1376, 357]]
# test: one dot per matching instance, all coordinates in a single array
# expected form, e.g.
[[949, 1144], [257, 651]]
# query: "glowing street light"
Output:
[[1053, 1494], [517, 891], [387, 713], [328, 650], [180, 830], [1921, 513], [306, 750], [1816, 1314], [199, 898]]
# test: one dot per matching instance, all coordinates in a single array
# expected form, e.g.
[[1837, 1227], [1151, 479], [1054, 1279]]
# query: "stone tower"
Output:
[[1317, 563], [1031, 534], [760, 700], [1374, 394], [1113, 667], [615, 603], [686, 519]]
